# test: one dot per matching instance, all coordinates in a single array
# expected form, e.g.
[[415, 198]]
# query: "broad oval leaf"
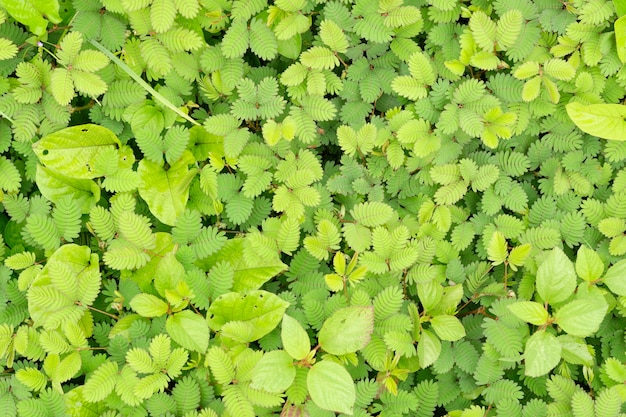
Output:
[[615, 278], [72, 151], [428, 348], [166, 191], [331, 387], [295, 339], [448, 327], [602, 120], [148, 305], [262, 309], [347, 330], [530, 312], [542, 353], [556, 277], [275, 372], [189, 330], [582, 317]]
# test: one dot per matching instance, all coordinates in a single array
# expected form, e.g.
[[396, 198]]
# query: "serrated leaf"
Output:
[[615, 278], [556, 277], [531, 89], [148, 305], [602, 120], [448, 327], [263, 310], [331, 387], [497, 249], [542, 353], [409, 87], [530, 311], [275, 372], [589, 265], [582, 317], [189, 330], [295, 339], [347, 330]]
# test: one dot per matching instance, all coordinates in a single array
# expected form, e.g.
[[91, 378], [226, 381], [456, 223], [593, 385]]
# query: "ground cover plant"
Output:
[[248, 208]]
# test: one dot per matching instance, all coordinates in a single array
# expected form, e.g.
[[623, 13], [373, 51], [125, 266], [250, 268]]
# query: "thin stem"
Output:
[[113, 316], [142, 83], [7, 117]]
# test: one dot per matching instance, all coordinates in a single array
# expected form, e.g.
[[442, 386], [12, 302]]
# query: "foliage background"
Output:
[[310, 207]]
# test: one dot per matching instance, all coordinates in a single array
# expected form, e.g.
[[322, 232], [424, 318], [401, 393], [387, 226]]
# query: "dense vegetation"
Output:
[[247, 208]]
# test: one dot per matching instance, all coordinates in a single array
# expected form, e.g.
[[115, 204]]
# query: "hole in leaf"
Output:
[[45, 152], [84, 129]]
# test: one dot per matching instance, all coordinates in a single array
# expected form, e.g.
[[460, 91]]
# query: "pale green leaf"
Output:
[[542, 353], [347, 330], [189, 330], [275, 372], [331, 387], [295, 339], [605, 121], [556, 277], [530, 311]]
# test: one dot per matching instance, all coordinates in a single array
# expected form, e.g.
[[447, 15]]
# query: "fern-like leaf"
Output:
[[162, 14]]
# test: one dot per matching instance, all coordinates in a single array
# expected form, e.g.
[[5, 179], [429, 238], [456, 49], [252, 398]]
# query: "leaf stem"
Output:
[[142, 83], [98, 310]]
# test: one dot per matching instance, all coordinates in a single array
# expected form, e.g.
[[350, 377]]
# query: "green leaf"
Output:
[[319, 57], [332, 35], [556, 277], [559, 69], [615, 278], [615, 370], [526, 70], [331, 387], [409, 87], [261, 309], [428, 348], [372, 213], [61, 86], [7, 49], [497, 249], [249, 274], [189, 330], [602, 120], [620, 38], [574, 350], [421, 68], [101, 382], [531, 89], [589, 266], [448, 327], [166, 190], [148, 305], [483, 29], [295, 339], [33, 378], [90, 61], [582, 317], [72, 151], [347, 330], [275, 372], [530, 312], [620, 7], [88, 84], [542, 353], [518, 255]]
